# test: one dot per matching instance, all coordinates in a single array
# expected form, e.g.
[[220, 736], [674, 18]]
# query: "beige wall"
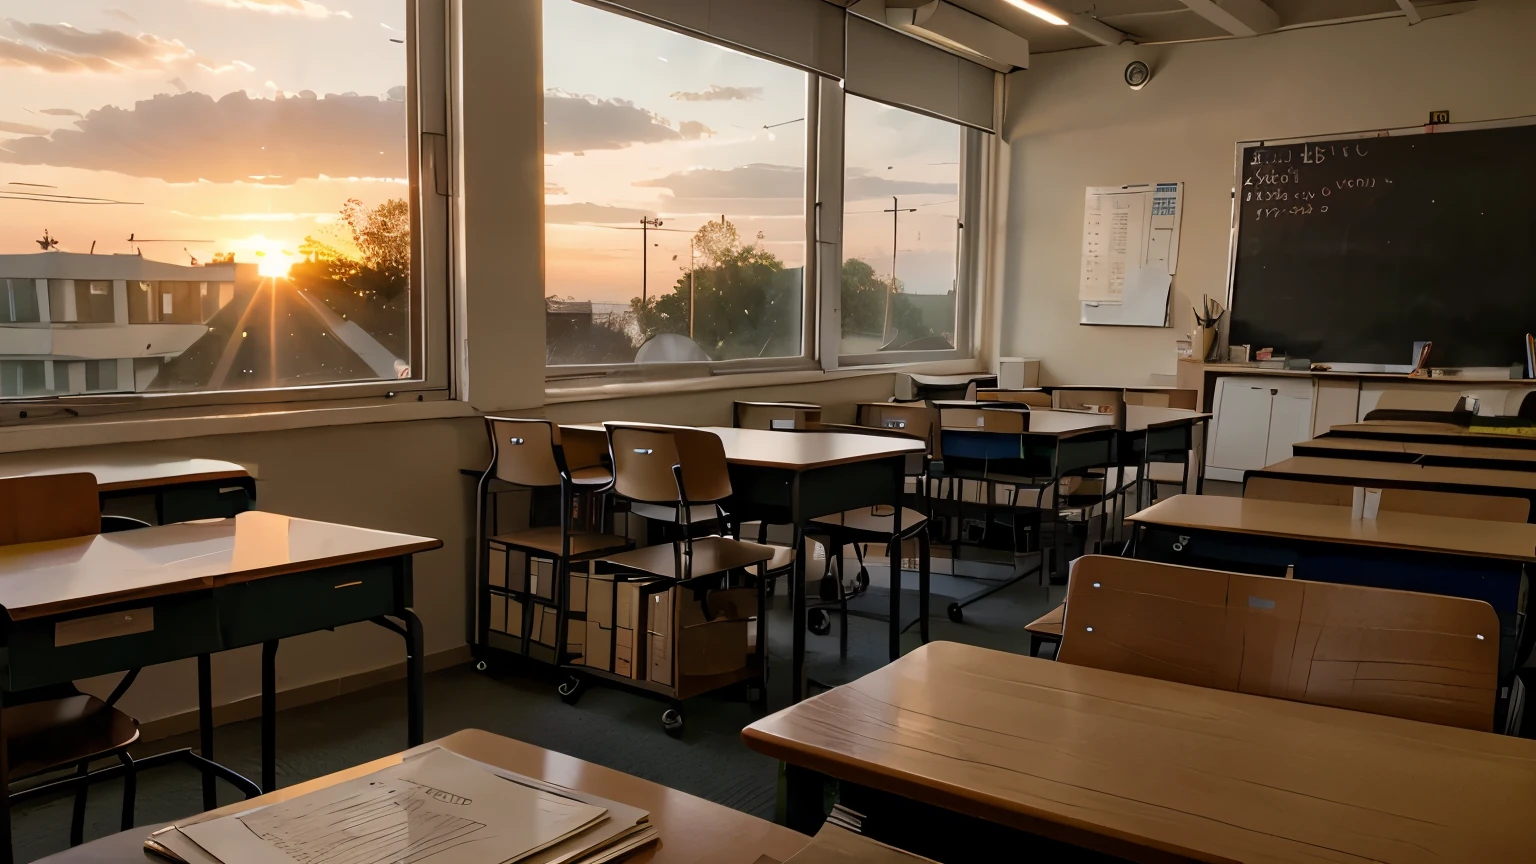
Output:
[[1071, 123]]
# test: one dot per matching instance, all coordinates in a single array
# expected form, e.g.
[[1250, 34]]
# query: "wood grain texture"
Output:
[[1364, 472], [120, 472], [1431, 503], [693, 831], [1147, 768], [1418, 656], [48, 507], [834, 845], [1475, 538], [800, 451], [1420, 448], [1139, 418], [80, 573]]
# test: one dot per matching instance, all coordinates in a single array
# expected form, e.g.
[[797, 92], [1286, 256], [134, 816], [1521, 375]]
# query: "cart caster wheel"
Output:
[[956, 614], [819, 622], [570, 690], [672, 722], [481, 666]]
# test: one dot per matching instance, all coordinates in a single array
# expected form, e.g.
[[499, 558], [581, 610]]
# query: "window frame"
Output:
[[429, 182], [581, 375], [975, 174]]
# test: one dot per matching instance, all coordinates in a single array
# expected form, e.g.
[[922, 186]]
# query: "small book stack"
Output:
[[434, 808]]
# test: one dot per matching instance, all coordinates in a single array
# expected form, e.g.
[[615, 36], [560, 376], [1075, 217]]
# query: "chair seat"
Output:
[[547, 539], [1167, 472], [59, 733], [1049, 624], [876, 522], [596, 475], [711, 555]]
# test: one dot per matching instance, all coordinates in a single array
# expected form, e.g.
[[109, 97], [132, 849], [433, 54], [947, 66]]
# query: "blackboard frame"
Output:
[[1237, 184]]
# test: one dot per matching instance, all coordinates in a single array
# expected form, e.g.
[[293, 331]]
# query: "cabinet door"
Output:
[[1241, 437], [1290, 421]]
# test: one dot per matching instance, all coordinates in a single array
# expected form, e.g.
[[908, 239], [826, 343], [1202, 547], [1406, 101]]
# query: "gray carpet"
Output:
[[609, 726]]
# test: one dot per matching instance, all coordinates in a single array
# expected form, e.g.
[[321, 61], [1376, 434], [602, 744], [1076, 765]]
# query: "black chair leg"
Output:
[[77, 820], [923, 584], [130, 788]]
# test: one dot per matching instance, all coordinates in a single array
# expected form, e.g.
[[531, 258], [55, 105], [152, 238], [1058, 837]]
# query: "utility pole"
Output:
[[645, 245], [693, 265], [886, 332]]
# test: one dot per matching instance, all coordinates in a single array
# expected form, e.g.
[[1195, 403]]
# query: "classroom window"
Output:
[[904, 284], [675, 205], [228, 192]]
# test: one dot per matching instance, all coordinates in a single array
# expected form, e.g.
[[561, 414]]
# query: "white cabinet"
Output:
[[1257, 420]]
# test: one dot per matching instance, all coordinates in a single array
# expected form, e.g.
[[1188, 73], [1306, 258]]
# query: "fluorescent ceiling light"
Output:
[[1036, 11]]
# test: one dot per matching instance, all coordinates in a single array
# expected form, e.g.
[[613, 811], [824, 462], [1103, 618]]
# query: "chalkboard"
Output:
[[1352, 249]]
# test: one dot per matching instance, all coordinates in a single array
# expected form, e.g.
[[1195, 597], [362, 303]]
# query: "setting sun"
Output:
[[272, 261]]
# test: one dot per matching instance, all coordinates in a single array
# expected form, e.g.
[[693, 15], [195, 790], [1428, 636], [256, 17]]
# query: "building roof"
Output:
[[77, 265]]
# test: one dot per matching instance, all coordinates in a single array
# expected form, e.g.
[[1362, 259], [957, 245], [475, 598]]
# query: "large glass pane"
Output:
[[674, 195], [901, 229], [260, 149]]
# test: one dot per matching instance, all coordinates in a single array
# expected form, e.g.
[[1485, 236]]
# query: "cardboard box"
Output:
[[623, 667], [541, 577], [577, 601], [517, 571], [496, 565], [549, 625], [712, 649], [498, 611], [514, 617], [600, 600], [628, 605], [598, 646], [659, 630]]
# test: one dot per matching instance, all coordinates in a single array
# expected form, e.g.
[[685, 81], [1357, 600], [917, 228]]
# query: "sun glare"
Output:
[[272, 260]]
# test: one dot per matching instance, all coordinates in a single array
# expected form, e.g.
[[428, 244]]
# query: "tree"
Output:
[[864, 300], [383, 235]]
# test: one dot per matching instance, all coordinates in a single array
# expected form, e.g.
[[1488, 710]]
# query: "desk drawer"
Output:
[[281, 606], [78, 645]]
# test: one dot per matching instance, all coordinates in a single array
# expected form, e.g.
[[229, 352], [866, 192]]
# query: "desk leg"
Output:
[[414, 671], [269, 716], [895, 565], [797, 597], [804, 804], [205, 726], [5, 798]]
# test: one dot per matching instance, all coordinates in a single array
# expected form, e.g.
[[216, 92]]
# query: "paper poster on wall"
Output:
[[1130, 253]]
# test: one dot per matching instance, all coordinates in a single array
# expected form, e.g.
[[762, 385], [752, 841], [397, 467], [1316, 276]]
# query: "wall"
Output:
[[1071, 123], [400, 477]]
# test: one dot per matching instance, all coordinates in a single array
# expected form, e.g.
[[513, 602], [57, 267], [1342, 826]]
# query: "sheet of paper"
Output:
[[439, 808], [1144, 302], [1116, 229], [1167, 215]]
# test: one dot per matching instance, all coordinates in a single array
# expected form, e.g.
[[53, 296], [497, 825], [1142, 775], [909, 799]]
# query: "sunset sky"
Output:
[[241, 125]]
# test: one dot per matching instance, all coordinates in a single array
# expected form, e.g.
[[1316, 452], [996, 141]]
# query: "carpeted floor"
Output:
[[609, 726]]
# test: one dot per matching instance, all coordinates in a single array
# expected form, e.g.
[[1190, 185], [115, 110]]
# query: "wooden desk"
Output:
[[1442, 433], [1419, 453], [1366, 472], [183, 489], [1152, 770], [114, 602], [1407, 551], [692, 830]]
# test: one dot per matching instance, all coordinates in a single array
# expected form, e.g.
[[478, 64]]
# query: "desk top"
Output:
[[1140, 768], [793, 450], [39, 579], [120, 472], [1323, 523], [1420, 448], [1368, 470], [1142, 417], [1447, 432], [692, 830]]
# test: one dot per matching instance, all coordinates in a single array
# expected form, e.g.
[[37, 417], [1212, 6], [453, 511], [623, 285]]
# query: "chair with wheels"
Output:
[[51, 729]]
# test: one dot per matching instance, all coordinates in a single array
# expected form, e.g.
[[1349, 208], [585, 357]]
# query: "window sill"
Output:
[[582, 390], [228, 420]]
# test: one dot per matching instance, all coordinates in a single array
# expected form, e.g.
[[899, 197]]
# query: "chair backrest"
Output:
[[1491, 508], [525, 452], [644, 456], [48, 507], [1418, 656], [1032, 398], [775, 415], [1419, 399]]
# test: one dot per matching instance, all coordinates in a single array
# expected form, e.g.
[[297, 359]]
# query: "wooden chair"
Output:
[[53, 728], [529, 454], [868, 525], [686, 468], [784, 416], [1490, 508], [1419, 656], [1046, 629]]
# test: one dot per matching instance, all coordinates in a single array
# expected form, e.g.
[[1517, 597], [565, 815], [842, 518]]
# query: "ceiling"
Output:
[[1153, 21]]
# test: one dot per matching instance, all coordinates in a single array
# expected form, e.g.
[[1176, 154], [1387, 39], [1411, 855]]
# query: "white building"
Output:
[[73, 323]]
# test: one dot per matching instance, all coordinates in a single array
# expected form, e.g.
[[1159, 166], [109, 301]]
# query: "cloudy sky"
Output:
[[234, 125], [641, 121]]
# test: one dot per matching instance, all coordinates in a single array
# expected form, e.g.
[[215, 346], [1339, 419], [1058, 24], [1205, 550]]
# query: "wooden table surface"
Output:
[[84, 572], [1368, 470], [795, 450], [120, 472], [692, 830], [1421, 448], [1141, 417], [1450, 432], [1391, 529], [1143, 768]]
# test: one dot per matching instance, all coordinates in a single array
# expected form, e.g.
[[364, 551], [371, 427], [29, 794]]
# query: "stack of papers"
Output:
[[434, 808]]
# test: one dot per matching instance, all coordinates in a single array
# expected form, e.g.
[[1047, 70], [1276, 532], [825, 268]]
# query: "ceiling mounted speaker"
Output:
[[1137, 74]]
